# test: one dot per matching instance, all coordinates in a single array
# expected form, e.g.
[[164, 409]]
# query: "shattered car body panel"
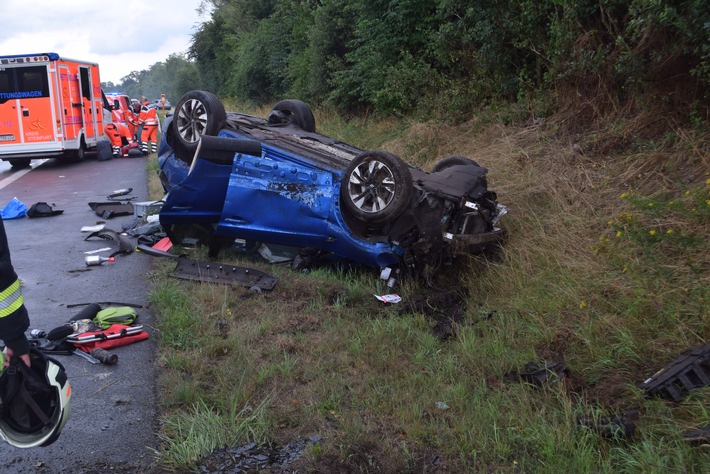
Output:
[[278, 181]]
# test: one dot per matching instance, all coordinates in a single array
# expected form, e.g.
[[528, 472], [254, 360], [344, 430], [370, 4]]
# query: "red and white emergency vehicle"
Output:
[[120, 106], [50, 107]]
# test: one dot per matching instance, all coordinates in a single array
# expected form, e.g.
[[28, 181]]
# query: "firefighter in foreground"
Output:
[[14, 319], [149, 120], [35, 394]]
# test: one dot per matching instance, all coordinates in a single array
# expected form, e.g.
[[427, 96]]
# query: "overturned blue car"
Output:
[[232, 177]]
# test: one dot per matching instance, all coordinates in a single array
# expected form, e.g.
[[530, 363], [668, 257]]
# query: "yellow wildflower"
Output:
[[619, 233], [624, 195], [669, 231], [582, 305], [652, 232]]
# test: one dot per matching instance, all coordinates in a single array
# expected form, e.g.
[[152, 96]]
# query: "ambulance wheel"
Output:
[[20, 163], [79, 154], [197, 113]]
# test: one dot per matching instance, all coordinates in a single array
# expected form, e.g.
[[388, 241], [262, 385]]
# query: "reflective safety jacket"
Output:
[[148, 116], [117, 115], [118, 134], [131, 121], [14, 320]]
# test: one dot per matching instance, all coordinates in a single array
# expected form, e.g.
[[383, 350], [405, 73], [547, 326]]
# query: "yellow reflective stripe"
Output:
[[11, 299]]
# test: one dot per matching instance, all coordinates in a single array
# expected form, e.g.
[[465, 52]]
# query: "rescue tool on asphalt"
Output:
[[235, 177]]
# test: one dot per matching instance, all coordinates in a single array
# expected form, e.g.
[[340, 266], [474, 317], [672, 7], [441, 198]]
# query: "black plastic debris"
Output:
[[211, 272], [540, 374], [446, 307], [124, 245], [107, 210], [622, 426], [449, 302], [697, 437], [253, 457], [42, 209], [119, 193], [677, 379]]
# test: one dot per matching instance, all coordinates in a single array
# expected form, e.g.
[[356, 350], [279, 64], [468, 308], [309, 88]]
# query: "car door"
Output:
[[277, 201]]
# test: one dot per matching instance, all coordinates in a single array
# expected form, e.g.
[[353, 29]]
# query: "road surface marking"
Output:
[[19, 174]]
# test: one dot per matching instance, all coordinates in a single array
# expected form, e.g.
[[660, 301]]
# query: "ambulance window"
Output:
[[85, 83], [5, 81], [33, 79]]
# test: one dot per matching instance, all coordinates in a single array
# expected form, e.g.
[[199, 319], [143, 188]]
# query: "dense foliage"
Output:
[[394, 56]]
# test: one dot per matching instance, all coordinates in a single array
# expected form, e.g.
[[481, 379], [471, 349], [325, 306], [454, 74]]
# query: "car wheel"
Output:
[[295, 112], [377, 187], [453, 161], [197, 113]]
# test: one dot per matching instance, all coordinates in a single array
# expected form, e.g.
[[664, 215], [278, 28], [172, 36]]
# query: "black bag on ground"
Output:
[[42, 209]]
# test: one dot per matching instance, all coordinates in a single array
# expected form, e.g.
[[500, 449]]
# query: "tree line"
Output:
[[445, 56]]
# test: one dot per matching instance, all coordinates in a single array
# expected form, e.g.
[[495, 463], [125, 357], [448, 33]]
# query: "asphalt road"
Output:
[[113, 421]]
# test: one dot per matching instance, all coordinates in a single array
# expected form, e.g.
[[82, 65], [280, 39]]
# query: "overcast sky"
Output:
[[121, 36]]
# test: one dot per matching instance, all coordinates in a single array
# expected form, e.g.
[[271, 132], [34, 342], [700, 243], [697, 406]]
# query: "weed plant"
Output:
[[606, 269]]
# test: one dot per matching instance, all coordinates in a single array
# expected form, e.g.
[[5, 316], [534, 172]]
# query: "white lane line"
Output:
[[19, 174]]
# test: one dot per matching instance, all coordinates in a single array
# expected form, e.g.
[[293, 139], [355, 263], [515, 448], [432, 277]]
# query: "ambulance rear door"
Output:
[[91, 104], [28, 115]]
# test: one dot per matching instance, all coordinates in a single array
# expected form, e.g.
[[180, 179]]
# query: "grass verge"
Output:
[[606, 269]]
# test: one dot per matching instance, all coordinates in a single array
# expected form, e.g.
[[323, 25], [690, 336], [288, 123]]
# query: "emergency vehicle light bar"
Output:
[[29, 58]]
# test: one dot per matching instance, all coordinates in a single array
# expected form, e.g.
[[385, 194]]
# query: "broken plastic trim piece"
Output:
[[120, 192], [540, 374], [124, 245], [107, 210], [615, 426], [677, 379], [155, 252], [211, 272]]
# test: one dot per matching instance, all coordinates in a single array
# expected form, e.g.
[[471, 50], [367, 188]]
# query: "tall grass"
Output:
[[577, 281]]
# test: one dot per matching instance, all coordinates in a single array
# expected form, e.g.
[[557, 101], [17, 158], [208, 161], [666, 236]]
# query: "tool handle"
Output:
[[106, 357]]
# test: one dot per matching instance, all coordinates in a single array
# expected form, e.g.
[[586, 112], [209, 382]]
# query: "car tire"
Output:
[[453, 161], [197, 113], [377, 187], [293, 111]]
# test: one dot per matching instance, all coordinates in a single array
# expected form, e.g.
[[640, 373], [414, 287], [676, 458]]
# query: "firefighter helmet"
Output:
[[34, 401]]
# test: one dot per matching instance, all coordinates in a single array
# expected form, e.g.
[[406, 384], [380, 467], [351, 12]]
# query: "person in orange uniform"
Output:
[[119, 135], [132, 115], [117, 115], [149, 119]]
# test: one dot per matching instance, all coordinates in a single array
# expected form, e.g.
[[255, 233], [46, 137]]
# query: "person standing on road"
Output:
[[14, 319], [149, 119], [34, 390], [132, 115]]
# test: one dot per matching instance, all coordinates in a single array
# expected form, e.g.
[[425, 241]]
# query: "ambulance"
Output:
[[50, 107], [120, 106]]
